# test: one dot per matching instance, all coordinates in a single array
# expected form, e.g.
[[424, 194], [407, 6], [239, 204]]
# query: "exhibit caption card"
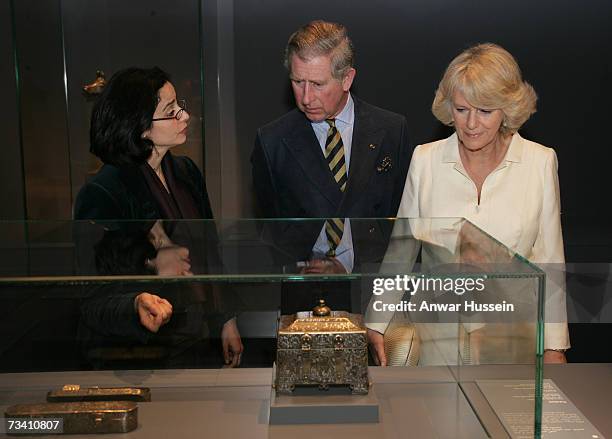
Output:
[[513, 403]]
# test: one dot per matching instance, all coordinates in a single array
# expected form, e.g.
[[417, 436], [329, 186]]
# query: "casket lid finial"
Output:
[[321, 310]]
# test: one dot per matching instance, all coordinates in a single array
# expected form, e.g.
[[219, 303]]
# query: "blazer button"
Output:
[[371, 229], [372, 146]]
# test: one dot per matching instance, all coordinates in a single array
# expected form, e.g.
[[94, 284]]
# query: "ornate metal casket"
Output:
[[322, 348]]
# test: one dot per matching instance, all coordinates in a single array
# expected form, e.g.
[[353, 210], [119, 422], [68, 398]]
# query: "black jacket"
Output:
[[122, 193], [113, 248]]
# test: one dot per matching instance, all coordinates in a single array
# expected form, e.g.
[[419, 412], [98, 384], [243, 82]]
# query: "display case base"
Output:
[[309, 405]]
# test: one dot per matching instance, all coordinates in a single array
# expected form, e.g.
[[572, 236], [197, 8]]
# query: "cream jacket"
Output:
[[519, 202], [519, 206]]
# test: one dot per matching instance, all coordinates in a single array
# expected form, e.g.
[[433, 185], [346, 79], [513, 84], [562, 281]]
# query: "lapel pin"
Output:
[[385, 165]]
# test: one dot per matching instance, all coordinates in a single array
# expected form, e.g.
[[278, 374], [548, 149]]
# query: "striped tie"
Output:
[[334, 153], [334, 228]]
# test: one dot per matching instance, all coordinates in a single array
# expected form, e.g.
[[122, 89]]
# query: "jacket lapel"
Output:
[[142, 204], [305, 148], [365, 150]]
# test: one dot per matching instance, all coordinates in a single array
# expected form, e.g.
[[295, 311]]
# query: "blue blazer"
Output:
[[292, 179]]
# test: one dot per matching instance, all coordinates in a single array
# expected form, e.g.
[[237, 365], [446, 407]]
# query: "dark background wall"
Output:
[[44, 127], [60, 45], [402, 48], [11, 170]]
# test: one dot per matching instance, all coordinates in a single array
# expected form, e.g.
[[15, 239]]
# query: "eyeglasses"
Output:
[[182, 104]]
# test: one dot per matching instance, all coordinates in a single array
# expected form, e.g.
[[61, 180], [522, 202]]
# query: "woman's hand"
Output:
[[232, 344], [172, 261], [554, 357], [153, 311], [377, 347], [323, 266], [158, 236]]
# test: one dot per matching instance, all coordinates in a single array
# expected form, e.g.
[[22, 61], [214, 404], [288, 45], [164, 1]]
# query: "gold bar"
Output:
[[75, 393]]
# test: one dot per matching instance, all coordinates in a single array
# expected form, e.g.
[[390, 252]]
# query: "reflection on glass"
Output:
[[131, 294], [160, 324]]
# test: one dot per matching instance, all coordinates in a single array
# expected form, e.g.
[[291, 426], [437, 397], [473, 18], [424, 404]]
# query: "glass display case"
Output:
[[150, 303]]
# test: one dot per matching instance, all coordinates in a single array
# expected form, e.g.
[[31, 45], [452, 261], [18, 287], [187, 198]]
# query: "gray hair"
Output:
[[319, 38]]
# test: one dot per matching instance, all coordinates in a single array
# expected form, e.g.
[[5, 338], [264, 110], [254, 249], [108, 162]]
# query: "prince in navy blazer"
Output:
[[291, 174], [334, 156]]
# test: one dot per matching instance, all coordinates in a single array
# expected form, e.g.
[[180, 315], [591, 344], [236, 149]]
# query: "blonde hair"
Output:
[[322, 38], [489, 77]]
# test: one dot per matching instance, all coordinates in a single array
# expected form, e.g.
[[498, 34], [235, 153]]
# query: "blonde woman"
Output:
[[488, 173]]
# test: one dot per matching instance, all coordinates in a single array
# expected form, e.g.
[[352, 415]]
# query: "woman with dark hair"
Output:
[[134, 125]]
